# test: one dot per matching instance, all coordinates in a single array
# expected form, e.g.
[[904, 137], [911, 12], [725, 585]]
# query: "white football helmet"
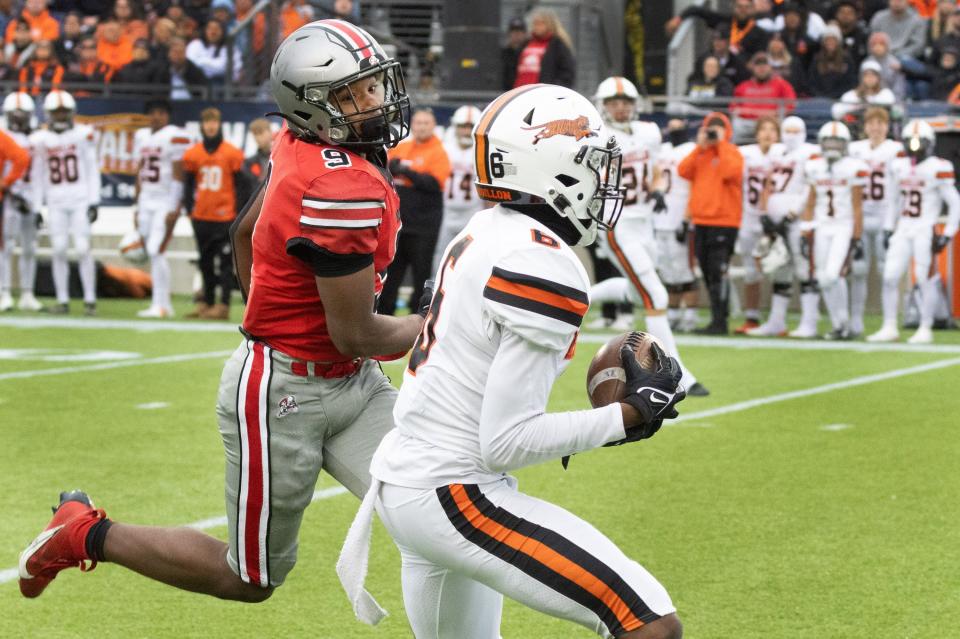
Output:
[[310, 76], [833, 138], [793, 132], [19, 110], [616, 87], [132, 248], [59, 107], [918, 139], [465, 116], [543, 144]]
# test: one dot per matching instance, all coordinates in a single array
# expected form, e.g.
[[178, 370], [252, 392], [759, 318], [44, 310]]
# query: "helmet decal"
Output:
[[578, 128]]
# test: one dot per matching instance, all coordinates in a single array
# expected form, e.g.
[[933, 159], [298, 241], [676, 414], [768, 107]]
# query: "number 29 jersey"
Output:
[[66, 166], [505, 272], [919, 191]]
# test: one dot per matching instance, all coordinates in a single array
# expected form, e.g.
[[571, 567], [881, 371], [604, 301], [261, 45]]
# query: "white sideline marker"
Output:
[[204, 524]]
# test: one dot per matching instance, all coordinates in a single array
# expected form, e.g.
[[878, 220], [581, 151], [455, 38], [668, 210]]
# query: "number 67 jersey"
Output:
[[66, 166]]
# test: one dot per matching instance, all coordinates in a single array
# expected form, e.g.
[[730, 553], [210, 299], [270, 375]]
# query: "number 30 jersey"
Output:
[[509, 301], [155, 153], [834, 184], [920, 191], [66, 166]]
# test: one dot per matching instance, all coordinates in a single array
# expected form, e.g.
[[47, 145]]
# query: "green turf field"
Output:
[[815, 493]]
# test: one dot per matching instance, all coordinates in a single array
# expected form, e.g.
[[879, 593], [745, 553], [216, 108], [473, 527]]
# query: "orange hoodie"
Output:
[[716, 180]]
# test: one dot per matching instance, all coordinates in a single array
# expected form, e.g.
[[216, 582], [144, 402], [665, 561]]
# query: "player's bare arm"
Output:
[[355, 329]]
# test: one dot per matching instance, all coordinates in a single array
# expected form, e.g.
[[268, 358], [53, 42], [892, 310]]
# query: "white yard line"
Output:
[[816, 390], [204, 524], [166, 359]]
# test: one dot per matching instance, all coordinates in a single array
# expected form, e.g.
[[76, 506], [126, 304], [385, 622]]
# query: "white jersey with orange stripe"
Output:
[[640, 147], [676, 190], [920, 191], [878, 195], [502, 326], [789, 190], [459, 194], [155, 152], [67, 167], [834, 183], [757, 169]]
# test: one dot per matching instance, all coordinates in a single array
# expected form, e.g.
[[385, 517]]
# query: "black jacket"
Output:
[[833, 84], [139, 72], [192, 74]]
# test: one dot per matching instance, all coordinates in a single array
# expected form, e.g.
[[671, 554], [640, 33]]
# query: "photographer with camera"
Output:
[[715, 172]]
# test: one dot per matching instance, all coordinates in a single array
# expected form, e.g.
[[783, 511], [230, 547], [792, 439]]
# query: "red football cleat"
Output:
[[746, 326], [60, 545]]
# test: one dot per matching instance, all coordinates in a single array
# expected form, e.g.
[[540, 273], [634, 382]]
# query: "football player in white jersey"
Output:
[[158, 149], [675, 259], [758, 164], [510, 297], [833, 220], [459, 200], [20, 212], [631, 246], [878, 195], [69, 175], [785, 198], [923, 183]]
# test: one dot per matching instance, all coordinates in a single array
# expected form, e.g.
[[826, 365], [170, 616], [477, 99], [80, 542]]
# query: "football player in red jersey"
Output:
[[300, 394]]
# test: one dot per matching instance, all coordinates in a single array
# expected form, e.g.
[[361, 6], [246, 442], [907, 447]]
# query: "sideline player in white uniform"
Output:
[[631, 246], [69, 175], [159, 151], [784, 206], [878, 195], [923, 183], [758, 164], [833, 220], [511, 295], [20, 210], [459, 201], [675, 259]]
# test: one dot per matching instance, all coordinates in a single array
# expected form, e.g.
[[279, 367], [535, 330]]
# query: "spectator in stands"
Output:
[[222, 11], [852, 29], [8, 13], [127, 15], [70, 34], [42, 25], [782, 62], [142, 69], [22, 44], [258, 30], [209, 52], [879, 47], [42, 71], [87, 68], [345, 10], [420, 167], [948, 74], [740, 28], [924, 8], [548, 55], [812, 22], [707, 82], [870, 92], [163, 30], [293, 15], [794, 33], [759, 95], [181, 74], [510, 53], [197, 10], [944, 34], [832, 72], [256, 165], [907, 32], [114, 49], [731, 66]]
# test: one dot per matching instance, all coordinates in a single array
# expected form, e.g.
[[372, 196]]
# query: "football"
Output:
[[606, 377]]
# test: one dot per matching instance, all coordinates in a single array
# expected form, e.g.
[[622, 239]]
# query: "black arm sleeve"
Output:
[[323, 263], [189, 185], [242, 186], [423, 181]]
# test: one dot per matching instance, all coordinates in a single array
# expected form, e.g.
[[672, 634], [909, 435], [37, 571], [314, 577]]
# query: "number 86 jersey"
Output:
[[66, 166]]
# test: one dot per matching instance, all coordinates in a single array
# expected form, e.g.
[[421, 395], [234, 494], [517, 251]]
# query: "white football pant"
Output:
[[151, 224], [909, 242], [831, 244], [67, 221], [18, 229]]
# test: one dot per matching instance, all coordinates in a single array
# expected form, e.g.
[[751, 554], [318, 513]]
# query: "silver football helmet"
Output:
[[311, 79]]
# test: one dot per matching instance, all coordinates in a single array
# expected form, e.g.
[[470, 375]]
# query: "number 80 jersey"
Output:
[[66, 166]]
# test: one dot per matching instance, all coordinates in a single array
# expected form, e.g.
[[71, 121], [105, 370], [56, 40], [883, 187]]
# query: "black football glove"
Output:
[[39, 221], [940, 242], [19, 204], [92, 213], [659, 203], [396, 167], [423, 306], [654, 394], [769, 226], [856, 249], [886, 239], [805, 247], [683, 231]]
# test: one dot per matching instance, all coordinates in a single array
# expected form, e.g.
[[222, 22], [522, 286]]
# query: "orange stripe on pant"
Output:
[[546, 556], [631, 275], [537, 295]]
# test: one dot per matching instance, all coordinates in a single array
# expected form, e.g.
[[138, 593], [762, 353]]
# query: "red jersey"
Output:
[[329, 212]]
